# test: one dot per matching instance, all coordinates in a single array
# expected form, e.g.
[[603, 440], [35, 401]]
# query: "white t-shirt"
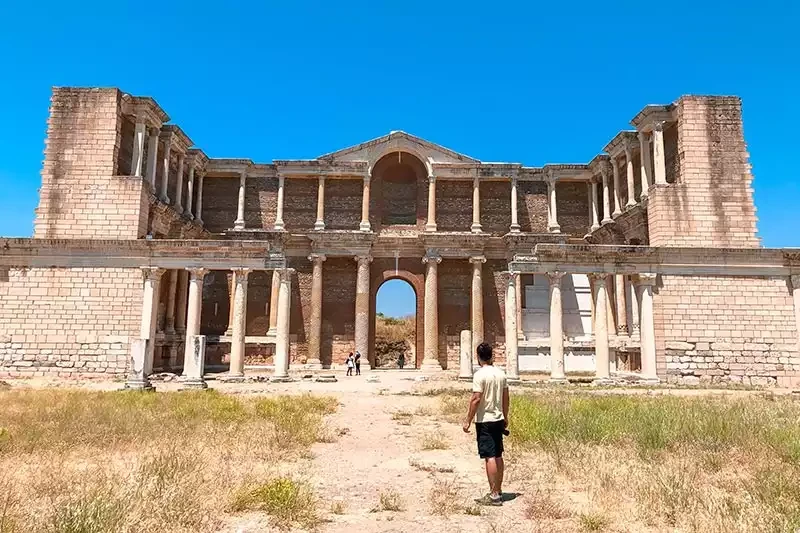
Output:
[[491, 382]]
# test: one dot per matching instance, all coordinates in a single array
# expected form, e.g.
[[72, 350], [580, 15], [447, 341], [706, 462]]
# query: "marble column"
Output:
[[365, 225], [602, 358], [622, 311], [198, 215], [630, 175], [273, 302], [644, 156], [193, 362], [552, 211], [466, 356], [794, 280], [593, 206], [430, 361], [319, 224], [520, 334], [152, 157], [181, 301], [557, 373], [165, 167], [606, 196], [515, 228], [476, 206], [430, 224], [137, 161], [236, 371], [239, 222], [281, 371], [659, 162], [279, 212], [187, 210], [143, 348], [633, 298], [172, 293], [645, 284], [314, 361], [362, 309], [476, 309], [512, 353], [615, 185], [231, 276], [179, 184]]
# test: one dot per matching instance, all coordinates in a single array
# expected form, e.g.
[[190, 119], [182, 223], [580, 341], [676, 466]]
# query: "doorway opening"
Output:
[[395, 326]]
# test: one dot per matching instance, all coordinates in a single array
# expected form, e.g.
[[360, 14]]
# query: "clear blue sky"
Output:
[[528, 82]]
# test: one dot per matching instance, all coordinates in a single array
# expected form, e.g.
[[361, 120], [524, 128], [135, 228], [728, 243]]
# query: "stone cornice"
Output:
[[455, 244], [145, 107], [179, 139], [616, 146], [643, 121], [317, 167], [199, 158], [335, 243], [228, 167]]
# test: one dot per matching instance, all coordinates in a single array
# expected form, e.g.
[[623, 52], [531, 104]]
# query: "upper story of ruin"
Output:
[[115, 168]]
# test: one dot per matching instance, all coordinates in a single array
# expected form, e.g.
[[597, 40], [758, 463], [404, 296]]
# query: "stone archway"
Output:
[[400, 191]]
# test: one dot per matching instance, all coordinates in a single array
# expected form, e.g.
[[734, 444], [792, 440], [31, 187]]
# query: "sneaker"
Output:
[[489, 500]]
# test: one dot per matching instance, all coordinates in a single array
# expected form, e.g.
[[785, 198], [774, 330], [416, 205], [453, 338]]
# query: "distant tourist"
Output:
[[350, 364], [358, 363], [489, 407], [401, 361]]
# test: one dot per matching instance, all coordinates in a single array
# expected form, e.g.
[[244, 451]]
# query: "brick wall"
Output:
[[343, 203], [453, 205], [572, 208], [300, 204], [261, 202], [455, 300], [726, 330], [61, 322], [338, 309], [216, 306], [220, 201], [496, 206], [259, 287], [671, 156], [532, 208]]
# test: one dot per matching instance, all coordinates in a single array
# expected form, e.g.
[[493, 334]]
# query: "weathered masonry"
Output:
[[642, 264]]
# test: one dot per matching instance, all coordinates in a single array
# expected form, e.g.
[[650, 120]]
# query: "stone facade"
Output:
[[643, 262]]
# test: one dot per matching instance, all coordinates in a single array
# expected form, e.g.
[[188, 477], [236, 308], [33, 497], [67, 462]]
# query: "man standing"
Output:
[[489, 407], [358, 363]]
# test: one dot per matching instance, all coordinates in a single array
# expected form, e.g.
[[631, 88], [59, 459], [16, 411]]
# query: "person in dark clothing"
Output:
[[350, 364], [401, 361], [358, 363]]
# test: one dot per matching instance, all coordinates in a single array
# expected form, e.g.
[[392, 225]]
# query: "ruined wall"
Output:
[[495, 278], [532, 208], [723, 329], [220, 197], [455, 293], [260, 202], [453, 205], [259, 289], [343, 203], [495, 206], [68, 321], [572, 208], [216, 306], [338, 309], [300, 204], [671, 156]]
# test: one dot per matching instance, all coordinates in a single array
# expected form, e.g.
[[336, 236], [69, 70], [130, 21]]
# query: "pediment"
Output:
[[398, 141]]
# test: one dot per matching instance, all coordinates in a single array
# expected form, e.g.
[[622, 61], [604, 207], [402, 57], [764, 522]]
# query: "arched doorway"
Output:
[[395, 325], [400, 189]]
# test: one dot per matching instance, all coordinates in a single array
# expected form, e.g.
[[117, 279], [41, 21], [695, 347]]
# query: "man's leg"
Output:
[[501, 467], [491, 475]]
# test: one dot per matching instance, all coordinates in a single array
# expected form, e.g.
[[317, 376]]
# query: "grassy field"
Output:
[[82, 462]]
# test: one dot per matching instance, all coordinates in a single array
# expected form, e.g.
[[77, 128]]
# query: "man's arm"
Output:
[[474, 401], [506, 404]]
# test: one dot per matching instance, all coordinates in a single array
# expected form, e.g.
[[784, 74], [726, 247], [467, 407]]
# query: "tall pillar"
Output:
[[179, 184], [430, 224], [629, 175], [281, 372], [593, 205], [514, 208], [236, 372], [512, 353], [645, 284], [362, 309], [557, 373], [187, 210], [192, 376], [314, 361], [152, 157], [143, 348], [615, 185], [231, 295], [644, 156], [552, 220], [659, 163], [273, 302], [364, 225], [633, 298], [602, 359], [477, 300], [622, 311], [606, 196], [466, 356], [279, 213], [319, 224], [137, 162], [165, 167], [198, 215], [476, 206], [795, 282], [172, 293], [239, 222], [430, 361], [181, 301], [520, 334]]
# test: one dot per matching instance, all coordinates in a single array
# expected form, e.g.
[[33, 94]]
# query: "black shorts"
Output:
[[490, 438]]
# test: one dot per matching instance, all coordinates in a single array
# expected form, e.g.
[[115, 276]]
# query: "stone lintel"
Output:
[[153, 114], [228, 167], [199, 158], [644, 120], [616, 146], [341, 242], [180, 140]]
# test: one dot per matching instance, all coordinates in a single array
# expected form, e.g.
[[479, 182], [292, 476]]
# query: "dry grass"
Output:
[[338, 507], [389, 501], [542, 505], [403, 417], [444, 497], [429, 467], [434, 441], [78, 461], [592, 522], [287, 501]]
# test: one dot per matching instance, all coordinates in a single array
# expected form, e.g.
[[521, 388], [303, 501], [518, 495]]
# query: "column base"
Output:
[[139, 384], [476, 228], [278, 225], [430, 365], [313, 364], [554, 228], [228, 333], [364, 226], [239, 224], [272, 331], [558, 381], [164, 199], [319, 225], [188, 383], [595, 227], [606, 221], [178, 208], [514, 228], [189, 215], [199, 220], [615, 214], [629, 205], [169, 330], [430, 227]]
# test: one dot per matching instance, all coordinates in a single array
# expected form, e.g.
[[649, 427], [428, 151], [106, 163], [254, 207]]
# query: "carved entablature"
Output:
[[455, 245], [341, 243], [180, 141], [616, 146], [144, 109], [652, 114], [228, 167], [321, 167]]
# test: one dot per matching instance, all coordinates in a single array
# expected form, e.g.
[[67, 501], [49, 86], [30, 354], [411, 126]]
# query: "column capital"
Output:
[[285, 274], [281, 179], [628, 147], [152, 273], [243, 174], [604, 164], [196, 273], [795, 280], [643, 136], [602, 277], [431, 178], [166, 136], [241, 273], [646, 279], [658, 125], [555, 277], [322, 178], [432, 258], [317, 258], [363, 258], [367, 178], [477, 259]]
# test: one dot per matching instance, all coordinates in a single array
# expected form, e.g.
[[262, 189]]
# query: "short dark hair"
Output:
[[484, 352]]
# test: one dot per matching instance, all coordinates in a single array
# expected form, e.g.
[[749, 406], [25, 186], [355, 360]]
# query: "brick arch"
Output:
[[381, 273]]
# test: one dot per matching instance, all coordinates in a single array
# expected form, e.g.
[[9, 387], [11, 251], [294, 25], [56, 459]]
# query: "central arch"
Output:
[[415, 279], [401, 189]]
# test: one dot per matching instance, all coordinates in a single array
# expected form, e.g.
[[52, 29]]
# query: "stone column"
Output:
[[795, 282], [319, 224], [476, 206], [315, 331], [192, 376], [629, 175], [179, 184], [659, 163], [362, 309], [365, 225], [143, 348], [279, 213], [615, 185], [552, 219], [430, 361], [430, 225], [231, 294], [281, 372], [476, 309], [137, 161], [644, 146], [557, 373], [152, 157], [602, 359], [172, 293], [187, 210], [514, 208], [165, 167], [606, 196], [645, 284], [181, 301], [622, 311], [239, 222], [519, 307], [465, 359], [198, 215], [273, 302], [512, 353], [633, 298], [593, 206], [236, 372]]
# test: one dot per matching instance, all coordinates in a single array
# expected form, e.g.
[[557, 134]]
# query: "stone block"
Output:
[[679, 345]]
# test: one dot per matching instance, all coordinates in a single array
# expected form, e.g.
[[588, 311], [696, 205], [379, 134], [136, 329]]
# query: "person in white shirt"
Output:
[[489, 407]]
